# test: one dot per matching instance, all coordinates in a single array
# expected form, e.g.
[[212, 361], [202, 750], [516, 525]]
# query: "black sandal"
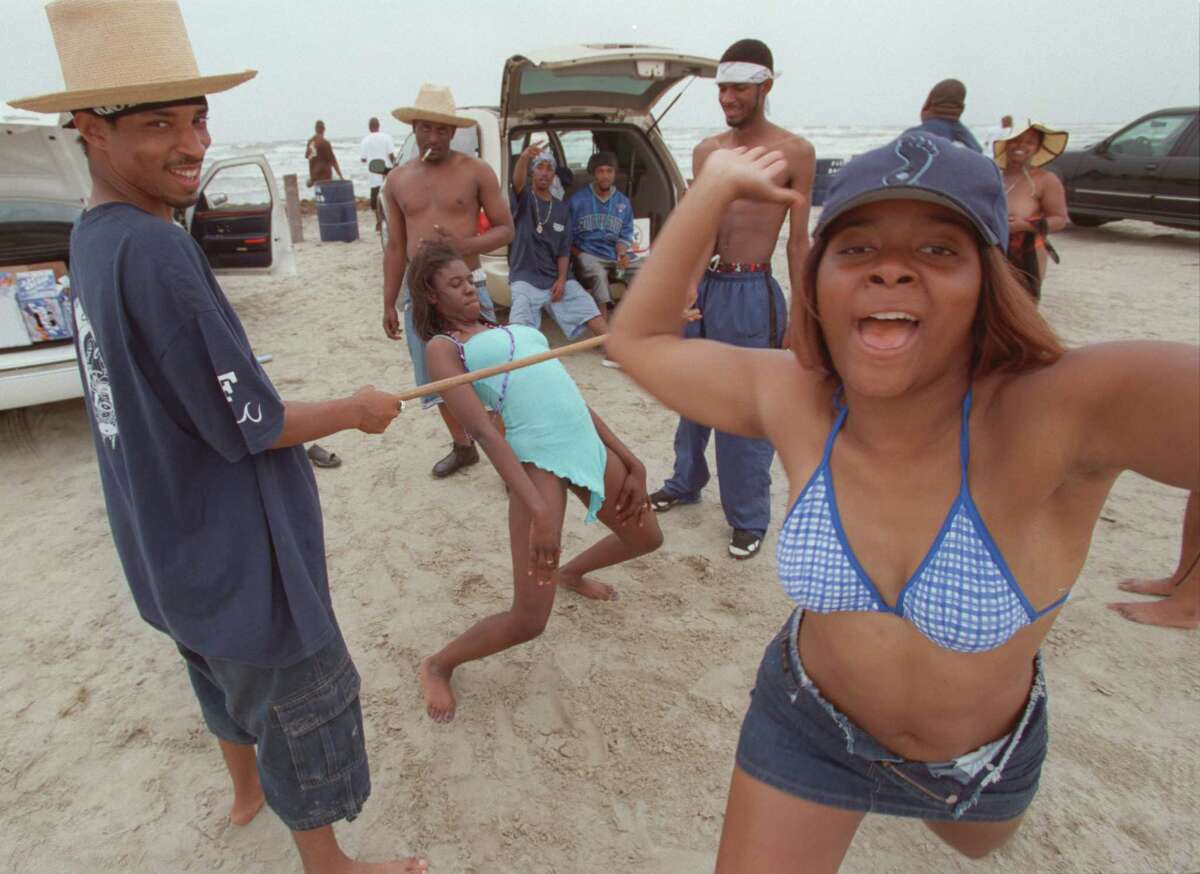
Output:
[[660, 501], [321, 457]]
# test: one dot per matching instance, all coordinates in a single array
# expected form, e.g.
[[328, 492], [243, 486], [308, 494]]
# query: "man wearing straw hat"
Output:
[[211, 501], [437, 195]]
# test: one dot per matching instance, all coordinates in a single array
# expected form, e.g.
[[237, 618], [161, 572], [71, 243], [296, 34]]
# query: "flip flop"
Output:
[[321, 457], [660, 501]]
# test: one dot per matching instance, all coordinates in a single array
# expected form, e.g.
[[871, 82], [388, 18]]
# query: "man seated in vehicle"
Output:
[[601, 227], [539, 257]]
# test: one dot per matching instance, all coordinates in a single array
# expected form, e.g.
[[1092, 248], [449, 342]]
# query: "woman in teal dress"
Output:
[[552, 443]]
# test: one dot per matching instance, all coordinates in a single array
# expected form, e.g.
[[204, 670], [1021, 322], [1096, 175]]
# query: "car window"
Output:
[[1191, 149], [237, 188], [577, 146], [536, 81], [12, 211], [1152, 138]]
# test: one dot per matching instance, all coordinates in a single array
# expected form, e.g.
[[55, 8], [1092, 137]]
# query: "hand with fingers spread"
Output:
[[753, 174], [545, 544]]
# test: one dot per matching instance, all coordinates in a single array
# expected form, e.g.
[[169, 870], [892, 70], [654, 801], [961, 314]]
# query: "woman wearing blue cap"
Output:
[[948, 460]]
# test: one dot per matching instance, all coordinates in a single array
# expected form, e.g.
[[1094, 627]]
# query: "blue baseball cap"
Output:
[[921, 166]]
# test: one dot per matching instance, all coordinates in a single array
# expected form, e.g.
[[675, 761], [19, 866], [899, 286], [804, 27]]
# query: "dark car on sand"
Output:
[[1148, 170]]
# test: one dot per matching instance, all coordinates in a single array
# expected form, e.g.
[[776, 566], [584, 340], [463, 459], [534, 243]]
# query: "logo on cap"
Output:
[[912, 149]]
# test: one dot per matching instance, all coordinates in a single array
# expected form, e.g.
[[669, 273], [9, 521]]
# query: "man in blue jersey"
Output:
[[601, 227]]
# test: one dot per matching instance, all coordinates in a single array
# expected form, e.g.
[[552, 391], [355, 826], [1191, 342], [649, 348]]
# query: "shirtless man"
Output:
[[738, 299], [437, 195]]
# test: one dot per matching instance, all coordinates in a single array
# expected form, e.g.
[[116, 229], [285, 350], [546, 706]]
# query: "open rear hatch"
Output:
[[617, 81]]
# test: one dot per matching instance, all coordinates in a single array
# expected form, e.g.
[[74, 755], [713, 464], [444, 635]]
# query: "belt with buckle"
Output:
[[740, 267]]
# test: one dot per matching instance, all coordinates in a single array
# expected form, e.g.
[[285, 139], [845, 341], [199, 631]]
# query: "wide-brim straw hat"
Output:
[[120, 52], [1054, 143], [434, 103]]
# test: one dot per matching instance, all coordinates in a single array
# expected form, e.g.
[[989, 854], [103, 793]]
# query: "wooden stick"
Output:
[[465, 378]]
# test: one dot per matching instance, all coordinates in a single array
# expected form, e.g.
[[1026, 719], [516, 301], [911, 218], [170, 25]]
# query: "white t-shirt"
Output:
[[993, 134], [377, 145]]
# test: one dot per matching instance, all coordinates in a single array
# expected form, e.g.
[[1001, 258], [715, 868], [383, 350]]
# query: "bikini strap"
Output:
[[512, 352], [462, 350], [964, 440], [839, 404]]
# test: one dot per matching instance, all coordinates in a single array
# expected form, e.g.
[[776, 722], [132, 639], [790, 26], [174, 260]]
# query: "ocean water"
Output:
[[246, 185]]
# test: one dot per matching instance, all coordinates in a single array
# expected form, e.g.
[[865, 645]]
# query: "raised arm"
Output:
[[395, 260], [803, 160], [521, 168], [1138, 408], [708, 382]]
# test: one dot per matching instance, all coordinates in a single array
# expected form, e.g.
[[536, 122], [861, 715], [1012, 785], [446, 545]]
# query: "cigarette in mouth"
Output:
[[427, 151]]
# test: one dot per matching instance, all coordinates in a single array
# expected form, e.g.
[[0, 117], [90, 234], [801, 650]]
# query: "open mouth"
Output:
[[888, 331], [188, 176]]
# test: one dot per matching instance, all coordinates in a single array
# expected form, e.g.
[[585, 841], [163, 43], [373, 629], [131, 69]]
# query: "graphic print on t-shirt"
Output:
[[227, 381], [99, 391]]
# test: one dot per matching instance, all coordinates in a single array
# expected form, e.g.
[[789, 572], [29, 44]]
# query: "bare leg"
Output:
[[457, 432], [628, 539], [975, 839], [520, 623], [598, 325], [767, 829], [242, 764], [1189, 552], [320, 854]]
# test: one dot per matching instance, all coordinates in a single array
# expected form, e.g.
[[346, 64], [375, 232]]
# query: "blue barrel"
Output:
[[826, 169], [337, 212]]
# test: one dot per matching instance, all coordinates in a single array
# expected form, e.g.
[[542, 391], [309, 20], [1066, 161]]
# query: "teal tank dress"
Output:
[[546, 421]]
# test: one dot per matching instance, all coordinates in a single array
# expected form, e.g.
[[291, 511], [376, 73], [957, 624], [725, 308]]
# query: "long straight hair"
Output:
[[1008, 333]]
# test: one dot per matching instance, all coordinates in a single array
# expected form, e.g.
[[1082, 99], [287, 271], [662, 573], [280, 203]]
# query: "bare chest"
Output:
[[436, 197]]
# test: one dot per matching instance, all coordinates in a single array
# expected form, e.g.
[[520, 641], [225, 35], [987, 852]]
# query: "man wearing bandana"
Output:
[[739, 300]]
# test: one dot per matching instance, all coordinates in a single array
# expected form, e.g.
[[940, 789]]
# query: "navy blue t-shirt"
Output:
[[219, 535], [533, 257]]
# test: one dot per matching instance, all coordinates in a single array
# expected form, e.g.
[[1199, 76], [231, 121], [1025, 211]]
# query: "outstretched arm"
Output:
[[368, 410], [708, 382], [1138, 408]]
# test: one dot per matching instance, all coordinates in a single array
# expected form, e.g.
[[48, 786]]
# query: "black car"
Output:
[[1148, 170]]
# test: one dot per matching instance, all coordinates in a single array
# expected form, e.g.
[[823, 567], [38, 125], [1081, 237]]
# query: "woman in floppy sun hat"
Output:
[[1037, 203], [212, 503], [948, 460]]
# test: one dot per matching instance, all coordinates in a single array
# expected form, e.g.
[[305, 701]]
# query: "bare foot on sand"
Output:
[[1171, 613], [435, 686], [1162, 587], [585, 586], [245, 808]]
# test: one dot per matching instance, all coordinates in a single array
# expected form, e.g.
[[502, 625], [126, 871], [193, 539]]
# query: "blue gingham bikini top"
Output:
[[962, 596]]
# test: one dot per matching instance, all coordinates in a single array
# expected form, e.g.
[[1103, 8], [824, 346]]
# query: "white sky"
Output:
[[844, 61]]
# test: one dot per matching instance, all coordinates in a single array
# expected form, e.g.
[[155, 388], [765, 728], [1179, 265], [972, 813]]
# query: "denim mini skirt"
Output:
[[795, 740]]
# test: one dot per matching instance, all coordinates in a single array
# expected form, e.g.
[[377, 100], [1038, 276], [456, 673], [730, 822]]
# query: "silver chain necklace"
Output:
[[537, 210]]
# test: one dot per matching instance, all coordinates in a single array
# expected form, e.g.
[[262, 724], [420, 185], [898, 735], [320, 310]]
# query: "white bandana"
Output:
[[743, 73]]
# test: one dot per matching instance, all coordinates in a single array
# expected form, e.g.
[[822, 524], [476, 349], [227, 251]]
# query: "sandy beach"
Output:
[[606, 745]]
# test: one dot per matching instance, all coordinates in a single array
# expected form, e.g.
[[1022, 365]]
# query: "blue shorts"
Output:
[[416, 346], [572, 313], [795, 740], [306, 722]]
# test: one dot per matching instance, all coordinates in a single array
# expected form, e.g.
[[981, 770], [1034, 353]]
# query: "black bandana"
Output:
[[120, 109]]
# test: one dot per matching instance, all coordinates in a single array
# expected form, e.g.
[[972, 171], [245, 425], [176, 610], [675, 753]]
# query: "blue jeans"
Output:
[[794, 739], [306, 722], [740, 309]]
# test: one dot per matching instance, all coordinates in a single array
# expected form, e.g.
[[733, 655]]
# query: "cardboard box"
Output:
[[43, 306]]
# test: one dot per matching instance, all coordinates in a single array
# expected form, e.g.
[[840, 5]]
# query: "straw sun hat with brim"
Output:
[[1054, 143], [435, 104], [121, 53]]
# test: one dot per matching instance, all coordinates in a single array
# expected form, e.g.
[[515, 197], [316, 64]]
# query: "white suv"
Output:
[[581, 99], [44, 184]]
